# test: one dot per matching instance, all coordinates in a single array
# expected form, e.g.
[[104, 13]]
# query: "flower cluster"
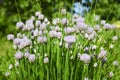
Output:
[[64, 41]]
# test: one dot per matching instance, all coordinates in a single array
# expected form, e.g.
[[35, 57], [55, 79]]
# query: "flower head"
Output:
[[115, 38], [103, 22], [46, 60], [10, 37], [42, 39], [95, 65], [7, 74], [27, 54], [19, 25], [81, 26], [115, 63], [111, 46], [89, 30], [18, 55], [37, 23], [10, 66], [102, 53], [111, 74], [97, 27], [86, 79], [69, 39], [85, 58], [31, 58], [63, 11], [64, 21], [16, 63], [69, 30]]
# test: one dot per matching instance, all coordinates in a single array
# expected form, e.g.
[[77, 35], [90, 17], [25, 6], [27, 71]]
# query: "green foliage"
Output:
[[107, 9]]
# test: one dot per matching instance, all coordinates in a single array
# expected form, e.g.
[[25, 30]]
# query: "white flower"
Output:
[[46, 60], [63, 11], [80, 19], [75, 16], [69, 39], [103, 22], [16, 41], [52, 33], [111, 74], [60, 44], [46, 20], [69, 30], [81, 26], [16, 63], [86, 79], [19, 35], [31, 58], [107, 26], [102, 53], [59, 35], [21, 44], [66, 45], [40, 33], [10, 37], [111, 46], [35, 32], [18, 55], [24, 42], [37, 23], [56, 21], [115, 63], [42, 26], [89, 30], [42, 39], [7, 74], [93, 47], [57, 28], [19, 25], [78, 55], [45, 31], [90, 36], [112, 26], [27, 54], [45, 55], [95, 65], [33, 18], [86, 48], [29, 24], [97, 17], [85, 58], [37, 13], [64, 21], [10, 66], [115, 38], [97, 27], [41, 17]]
